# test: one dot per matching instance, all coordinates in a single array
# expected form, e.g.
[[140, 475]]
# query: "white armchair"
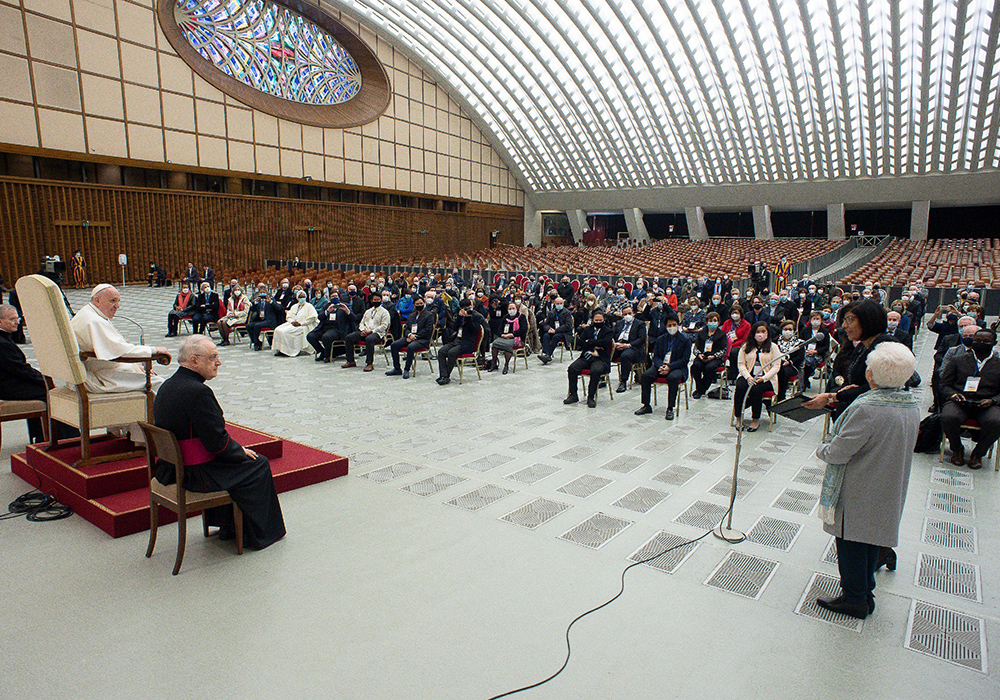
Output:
[[60, 359]]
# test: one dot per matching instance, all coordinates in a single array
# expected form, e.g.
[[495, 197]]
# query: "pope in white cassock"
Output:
[[290, 336], [94, 333]]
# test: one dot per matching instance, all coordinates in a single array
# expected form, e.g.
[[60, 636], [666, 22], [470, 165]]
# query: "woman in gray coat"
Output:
[[868, 455]]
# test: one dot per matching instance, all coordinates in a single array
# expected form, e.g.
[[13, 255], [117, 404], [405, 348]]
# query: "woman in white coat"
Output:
[[755, 376], [290, 336]]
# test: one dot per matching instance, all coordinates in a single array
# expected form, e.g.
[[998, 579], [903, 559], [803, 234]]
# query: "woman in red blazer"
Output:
[[737, 330]]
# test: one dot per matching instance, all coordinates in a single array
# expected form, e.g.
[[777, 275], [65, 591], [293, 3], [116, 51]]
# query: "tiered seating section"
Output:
[[668, 258], [942, 262]]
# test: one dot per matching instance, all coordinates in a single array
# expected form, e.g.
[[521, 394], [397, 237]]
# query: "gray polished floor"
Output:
[[476, 522]]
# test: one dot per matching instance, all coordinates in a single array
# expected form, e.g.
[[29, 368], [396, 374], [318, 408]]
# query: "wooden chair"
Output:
[[24, 410], [162, 444], [682, 388], [971, 426], [465, 358], [605, 380], [59, 358], [426, 352], [520, 352]]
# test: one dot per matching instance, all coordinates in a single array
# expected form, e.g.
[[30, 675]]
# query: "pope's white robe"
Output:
[[94, 333], [290, 340]]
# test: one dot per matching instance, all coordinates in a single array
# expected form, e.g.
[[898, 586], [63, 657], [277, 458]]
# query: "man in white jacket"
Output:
[[371, 331]]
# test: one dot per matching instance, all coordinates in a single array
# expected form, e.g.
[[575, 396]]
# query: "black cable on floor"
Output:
[[36, 507], [569, 649]]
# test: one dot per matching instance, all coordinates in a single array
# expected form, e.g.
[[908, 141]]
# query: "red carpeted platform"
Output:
[[114, 495]]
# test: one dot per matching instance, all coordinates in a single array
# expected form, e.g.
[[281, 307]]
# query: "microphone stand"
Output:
[[725, 531], [134, 323]]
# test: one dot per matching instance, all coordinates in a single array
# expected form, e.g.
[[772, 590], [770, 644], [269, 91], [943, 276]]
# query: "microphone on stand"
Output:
[[134, 323], [726, 531]]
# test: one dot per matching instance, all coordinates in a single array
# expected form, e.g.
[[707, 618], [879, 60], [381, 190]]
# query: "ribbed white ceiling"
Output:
[[626, 94]]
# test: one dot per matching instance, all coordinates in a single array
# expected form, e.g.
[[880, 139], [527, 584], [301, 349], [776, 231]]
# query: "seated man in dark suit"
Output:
[[206, 309], [710, 350], [213, 461], [263, 316], [416, 336], [284, 297], [970, 386], [630, 346], [670, 360], [557, 326], [595, 355], [191, 277], [893, 320], [328, 331], [459, 340]]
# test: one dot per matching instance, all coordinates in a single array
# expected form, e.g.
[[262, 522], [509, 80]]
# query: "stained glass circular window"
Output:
[[299, 64]]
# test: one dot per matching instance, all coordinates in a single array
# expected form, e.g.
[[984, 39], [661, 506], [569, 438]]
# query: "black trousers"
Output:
[[597, 368], [550, 340], [255, 329], [448, 357], [808, 367], [952, 417], [370, 341], [857, 562], [251, 487], [627, 358], [174, 320], [674, 379], [704, 374], [785, 375], [754, 399], [398, 346], [200, 321], [733, 370]]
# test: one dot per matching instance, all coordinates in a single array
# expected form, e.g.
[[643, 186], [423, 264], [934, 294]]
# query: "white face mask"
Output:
[[237, 293], [761, 337], [787, 335], [284, 285], [628, 318], [512, 312], [672, 330], [736, 318], [815, 323], [892, 325], [301, 299]]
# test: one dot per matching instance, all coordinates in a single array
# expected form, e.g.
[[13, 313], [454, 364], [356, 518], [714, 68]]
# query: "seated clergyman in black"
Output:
[[187, 407]]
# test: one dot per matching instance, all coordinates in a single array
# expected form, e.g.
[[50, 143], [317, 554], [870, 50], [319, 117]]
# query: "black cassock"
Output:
[[187, 407]]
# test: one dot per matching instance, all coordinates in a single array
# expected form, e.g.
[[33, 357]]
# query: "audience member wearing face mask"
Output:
[[757, 373], [737, 329], [671, 354], [710, 349]]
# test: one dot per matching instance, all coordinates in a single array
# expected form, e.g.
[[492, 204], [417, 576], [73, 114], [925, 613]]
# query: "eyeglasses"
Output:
[[211, 358]]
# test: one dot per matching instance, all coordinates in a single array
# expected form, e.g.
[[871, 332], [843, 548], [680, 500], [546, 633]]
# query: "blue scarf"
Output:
[[833, 479]]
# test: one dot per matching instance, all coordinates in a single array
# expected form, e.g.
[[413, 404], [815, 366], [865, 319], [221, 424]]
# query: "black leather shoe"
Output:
[[644, 410], [443, 380], [975, 461], [622, 388], [844, 607], [886, 558], [506, 369], [394, 372], [697, 395], [591, 402], [670, 414], [958, 457], [572, 398]]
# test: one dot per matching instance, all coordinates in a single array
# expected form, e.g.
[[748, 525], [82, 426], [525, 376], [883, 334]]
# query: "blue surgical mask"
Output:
[[559, 307], [712, 325], [773, 302]]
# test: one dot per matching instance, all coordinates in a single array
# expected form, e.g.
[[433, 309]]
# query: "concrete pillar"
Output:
[[836, 230], [696, 223], [577, 223], [532, 224], [636, 226], [919, 217], [762, 230]]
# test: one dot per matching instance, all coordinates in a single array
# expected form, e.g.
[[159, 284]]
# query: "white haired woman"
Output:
[[868, 455]]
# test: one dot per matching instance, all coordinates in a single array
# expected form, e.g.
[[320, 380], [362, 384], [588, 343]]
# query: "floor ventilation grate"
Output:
[[773, 445], [809, 475], [609, 437], [480, 498], [660, 542], [774, 533], [825, 586], [536, 472], [655, 445], [795, 501], [951, 503], [948, 635], [624, 464], [702, 514], [704, 454], [446, 454], [393, 471], [641, 499], [578, 453], [742, 574], [364, 458], [536, 513], [484, 464], [584, 486], [433, 484], [596, 531], [830, 555], [676, 476], [951, 535], [724, 486], [757, 465], [952, 477], [532, 445], [957, 578]]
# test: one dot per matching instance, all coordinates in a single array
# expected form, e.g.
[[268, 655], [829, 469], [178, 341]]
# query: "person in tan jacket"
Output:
[[755, 376]]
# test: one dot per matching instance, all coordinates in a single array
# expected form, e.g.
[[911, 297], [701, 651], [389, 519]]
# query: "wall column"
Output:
[[762, 230], [577, 223], [532, 224], [636, 226], [836, 230], [696, 223], [919, 218]]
